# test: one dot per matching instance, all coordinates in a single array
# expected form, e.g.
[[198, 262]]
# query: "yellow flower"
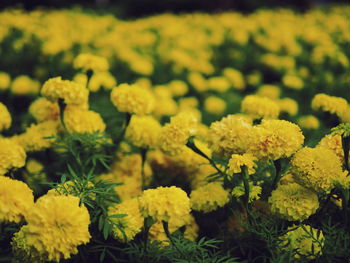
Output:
[[83, 121], [209, 197], [293, 202], [235, 78], [197, 81], [178, 87], [293, 82], [269, 91], [324, 102], [289, 106], [260, 107], [274, 139], [174, 135], [334, 143], [36, 137], [165, 203], [43, 110], [237, 161], [132, 99], [143, 131], [5, 117], [126, 228], [24, 85], [306, 243], [101, 79], [5, 81], [57, 225], [16, 199], [229, 135], [12, 155], [316, 168], [87, 62], [69, 91], [219, 84], [308, 122], [214, 105]]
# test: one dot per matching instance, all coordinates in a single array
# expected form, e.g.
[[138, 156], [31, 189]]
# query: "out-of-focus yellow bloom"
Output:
[[24, 85], [237, 161], [198, 81], [5, 117], [288, 105], [178, 87], [260, 107], [324, 102], [270, 91], [12, 155], [5, 81], [214, 105], [308, 122], [293, 82], [87, 62], [101, 79], [43, 110], [235, 78], [334, 143], [219, 84]]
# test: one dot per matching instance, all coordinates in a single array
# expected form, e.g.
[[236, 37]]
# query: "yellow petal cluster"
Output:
[[235, 78], [334, 143], [165, 203], [132, 99], [101, 79], [71, 92], [209, 197], [143, 131], [275, 139], [12, 155], [260, 107], [5, 81], [24, 85], [289, 106], [269, 91], [43, 109], [87, 62], [214, 105], [126, 228], [16, 199], [57, 225], [308, 122], [237, 161], [324, 102], [293, 202], [5, 117]]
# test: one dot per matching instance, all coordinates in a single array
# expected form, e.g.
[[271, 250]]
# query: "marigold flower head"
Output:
[[316, 168], [57, 225], [71, 92], [174, 135], [269, 91], [24, 85], [198, 82], [83, 121], [214, 105], [324, 102], [143, 131], [274, 139], [12, 155], [308, 122], [293, 202], [293, 82], [126, 228], [43, 110], [229, 135], [334, 143], [5, 81], [87, 62], [132, 99], [305, 240], [16, 199], [235, 78], [288, 105], [101, 79], [219, 84], [5, 117], [237, 161], [260, 107], [165, 203], [209, 197], [178, 87]]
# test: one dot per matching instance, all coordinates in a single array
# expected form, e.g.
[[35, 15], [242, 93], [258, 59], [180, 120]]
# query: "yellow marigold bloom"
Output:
[[345, 116], [12, 155], [254, 78], [324, 102], [165, 203], [229, 135], [209, 197], [24, 85], [101, 79], [188, 102], [274, 139], [308, 122], [307, 243], [5, 117], [87, 62], [316, 168], [5, 81], [43, 110], [293, 202], [57, 225], [132, 99], [220, 84], [127, 227], [174, 135], [34, 174], [83, 121], [35, 138], [289, 106], [143, 131], [69, 91], [33, 166], [178, 87], [293, 82], [334, 143], [16, 199], [214, 105], [198, 82], [254, 191], [260, 107], [235, 78], [237, 161], [269, 91]]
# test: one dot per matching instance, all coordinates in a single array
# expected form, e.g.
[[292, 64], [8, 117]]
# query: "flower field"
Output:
[[213, 138]]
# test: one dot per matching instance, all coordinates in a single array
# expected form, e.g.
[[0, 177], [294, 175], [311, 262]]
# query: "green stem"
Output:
[[148, 222], [345, 204], [245, 179], [89, 75], [143, 160], [167, 233], [277, 164], [62, 107], [125, 126], [346, 148]]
